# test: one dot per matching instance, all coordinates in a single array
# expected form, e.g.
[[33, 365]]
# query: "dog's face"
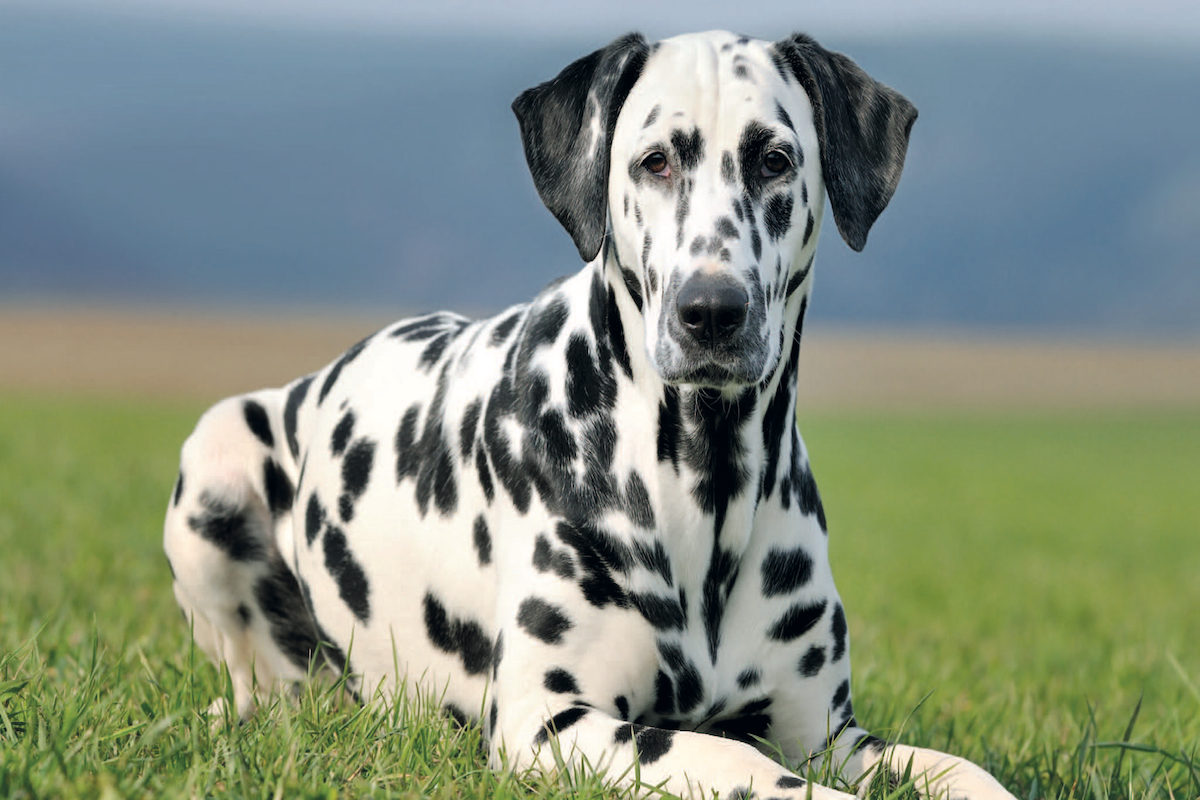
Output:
[[704, 162], [715, 196]]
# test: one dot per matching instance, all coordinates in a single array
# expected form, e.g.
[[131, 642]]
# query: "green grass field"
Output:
[[1016, 587]]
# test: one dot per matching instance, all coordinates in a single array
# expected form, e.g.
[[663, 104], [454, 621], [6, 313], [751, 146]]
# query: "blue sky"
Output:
[[1150, 21]]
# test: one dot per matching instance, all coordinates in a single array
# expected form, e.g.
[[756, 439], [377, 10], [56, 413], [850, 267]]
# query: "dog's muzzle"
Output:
[[709, 321]]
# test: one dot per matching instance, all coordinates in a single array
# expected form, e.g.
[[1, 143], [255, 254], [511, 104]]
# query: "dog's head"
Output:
[[704, 161]]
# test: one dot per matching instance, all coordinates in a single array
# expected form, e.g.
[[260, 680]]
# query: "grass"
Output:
[[1024, 591]]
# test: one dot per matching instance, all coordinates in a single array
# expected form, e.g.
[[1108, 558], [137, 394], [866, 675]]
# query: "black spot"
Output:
[[547, 324], [456, 715], [755, 140], [349, 576], [688, 687], [652, 116], [812, 661], [637, 502], [697, 246], [599, 555], [504, 327], [747, 723], [783, 118], [797, 621], [243, 612], [616, 335], [468, 426], [841, 695], [433, 351], [808, 228], [785, 571], [493, 713], [337, 368], [278, 597], [223, 524], [559, 723], [726, 229], [805, 488], [546, 558], [483, 541], [314, 519], [560, 681], [497, 654], [728, 170], [664, 693], [256, 420], [290, 411], [689, 148], [511, 471], [664, 613], [341, 434], [622, 705], [837, 626], [790, 782], [654, 559], [748, 677], [777, 215], [651, 743], [279, 490], [669, 424], [755, 241], [485, 476], [542, 620], [722, 571], [178, 489], [356, 472], [740, 71], [778, 417], [463, 637], [798, 278], [426, 327], [682, 206], [589, 388]]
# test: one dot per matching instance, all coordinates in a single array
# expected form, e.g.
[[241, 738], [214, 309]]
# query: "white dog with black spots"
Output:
[[588, 522]]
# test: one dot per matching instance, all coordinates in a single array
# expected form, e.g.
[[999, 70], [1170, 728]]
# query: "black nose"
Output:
[[711, 308]]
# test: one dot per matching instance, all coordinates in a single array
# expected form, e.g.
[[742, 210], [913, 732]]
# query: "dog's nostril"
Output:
[[711, 308]]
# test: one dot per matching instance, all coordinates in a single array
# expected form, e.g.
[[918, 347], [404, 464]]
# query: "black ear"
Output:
[[862, 130], [566, 126]]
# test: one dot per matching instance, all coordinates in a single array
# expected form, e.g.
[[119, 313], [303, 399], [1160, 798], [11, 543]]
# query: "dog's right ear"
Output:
[[566, 127]]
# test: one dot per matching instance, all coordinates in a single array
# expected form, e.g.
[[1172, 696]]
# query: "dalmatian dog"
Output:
[[588, 523]]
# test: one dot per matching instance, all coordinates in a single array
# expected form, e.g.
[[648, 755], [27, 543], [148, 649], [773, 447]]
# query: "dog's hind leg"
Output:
[[228, 539]]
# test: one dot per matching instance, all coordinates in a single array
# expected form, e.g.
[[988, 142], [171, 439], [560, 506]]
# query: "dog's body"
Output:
[[589, 521]]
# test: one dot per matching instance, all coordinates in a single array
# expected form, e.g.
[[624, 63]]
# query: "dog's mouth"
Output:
[[711, 375]]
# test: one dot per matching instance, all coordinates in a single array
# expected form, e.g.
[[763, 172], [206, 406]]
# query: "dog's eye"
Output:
[[775, 163], [656, 163]]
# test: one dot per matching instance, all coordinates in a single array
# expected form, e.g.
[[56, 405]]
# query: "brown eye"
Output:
[[775, 163], [656, 163]]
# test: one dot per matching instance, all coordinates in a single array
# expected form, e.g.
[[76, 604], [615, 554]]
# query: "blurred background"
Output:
[[331, 164]]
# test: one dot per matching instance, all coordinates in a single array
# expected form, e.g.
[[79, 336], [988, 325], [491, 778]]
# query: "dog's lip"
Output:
[[709, 375]]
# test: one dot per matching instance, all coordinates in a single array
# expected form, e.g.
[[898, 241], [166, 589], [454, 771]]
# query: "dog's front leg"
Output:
[[566, 737], [934, 774], [569, 676]]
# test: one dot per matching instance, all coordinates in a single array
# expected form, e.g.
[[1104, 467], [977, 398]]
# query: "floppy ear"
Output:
[[566, 127], [862, 130]]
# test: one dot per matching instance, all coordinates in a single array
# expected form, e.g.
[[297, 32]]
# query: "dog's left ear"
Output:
[[862, 130], [566, 127]]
